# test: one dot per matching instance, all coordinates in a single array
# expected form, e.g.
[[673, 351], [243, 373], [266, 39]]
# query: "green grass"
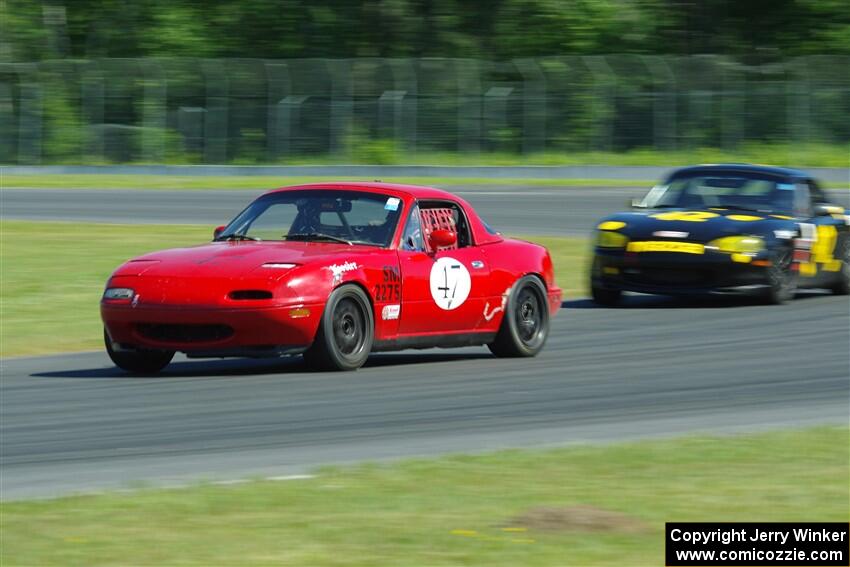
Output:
[[263, 182], [52, 275], [451, 510], [383, 152], [796, 154]]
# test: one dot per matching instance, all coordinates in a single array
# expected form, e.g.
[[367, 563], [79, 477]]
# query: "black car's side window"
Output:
[[818, 197], [802, 201]]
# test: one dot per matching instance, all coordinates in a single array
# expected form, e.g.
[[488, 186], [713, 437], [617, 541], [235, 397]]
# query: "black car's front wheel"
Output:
[[346, 331], [842, 286], [781, 278], [525, 324], [139, 361], [604, 296]]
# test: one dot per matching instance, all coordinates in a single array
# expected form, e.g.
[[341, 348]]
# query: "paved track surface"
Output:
[[511, 209], [528, 210], [655, 367]]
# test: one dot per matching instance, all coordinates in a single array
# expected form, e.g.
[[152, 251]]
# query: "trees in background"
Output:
[[487, 29]]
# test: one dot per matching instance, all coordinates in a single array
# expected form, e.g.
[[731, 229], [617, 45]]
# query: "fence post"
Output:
[[216, 115], [533, 105], [604, 85], [469, 105], [341, 105], [29, 115], [288, 113], [91, 108], [390, 108], [663, 102], [496, 115], [154, 104], [278, 85], [404, 80]]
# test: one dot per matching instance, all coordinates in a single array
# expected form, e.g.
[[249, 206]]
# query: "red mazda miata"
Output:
[[334, 271]]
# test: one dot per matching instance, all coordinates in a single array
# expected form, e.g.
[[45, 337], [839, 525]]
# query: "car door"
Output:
[[826, 226], [443, 291]]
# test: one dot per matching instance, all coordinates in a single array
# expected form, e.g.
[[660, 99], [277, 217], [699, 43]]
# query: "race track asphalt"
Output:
[[657, 366], [511, 209]]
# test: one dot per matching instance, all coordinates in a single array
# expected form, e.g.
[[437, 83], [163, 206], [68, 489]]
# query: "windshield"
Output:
[[350, 217], [747, 191]]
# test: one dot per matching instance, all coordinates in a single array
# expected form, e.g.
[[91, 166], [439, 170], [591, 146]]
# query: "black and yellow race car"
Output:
[[724, 228]]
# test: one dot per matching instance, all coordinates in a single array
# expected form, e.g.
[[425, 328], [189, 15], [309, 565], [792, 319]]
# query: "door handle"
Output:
[[477, 264]]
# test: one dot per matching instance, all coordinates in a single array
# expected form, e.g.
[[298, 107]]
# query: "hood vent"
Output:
[[249, 294]]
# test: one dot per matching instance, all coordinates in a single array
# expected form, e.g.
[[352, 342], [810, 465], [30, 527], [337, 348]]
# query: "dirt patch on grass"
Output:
[[579, 518]]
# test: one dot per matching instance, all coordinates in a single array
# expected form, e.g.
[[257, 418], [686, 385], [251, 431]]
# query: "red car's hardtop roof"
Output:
[[408, 193], [394, 189]]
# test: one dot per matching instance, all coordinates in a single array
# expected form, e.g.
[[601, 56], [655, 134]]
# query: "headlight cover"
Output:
[[279, 265], [610, 239], [118, 293], [737, 244]]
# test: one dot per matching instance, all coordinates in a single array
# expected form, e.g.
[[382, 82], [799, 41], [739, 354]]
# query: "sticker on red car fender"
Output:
[[390, 312], [339, 269]]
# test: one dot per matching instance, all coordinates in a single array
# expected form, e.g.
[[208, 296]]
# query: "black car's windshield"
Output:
[[318, 215], [735, 190]]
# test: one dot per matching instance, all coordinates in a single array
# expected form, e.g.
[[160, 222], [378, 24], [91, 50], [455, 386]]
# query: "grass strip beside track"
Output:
[[586, 505], [52, 276], [264, 182], [383, 152]]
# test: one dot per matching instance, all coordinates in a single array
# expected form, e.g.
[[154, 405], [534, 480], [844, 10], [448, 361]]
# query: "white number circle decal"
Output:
[[450, 283]]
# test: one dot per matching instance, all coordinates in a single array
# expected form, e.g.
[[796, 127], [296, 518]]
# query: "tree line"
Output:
[[489, 29]]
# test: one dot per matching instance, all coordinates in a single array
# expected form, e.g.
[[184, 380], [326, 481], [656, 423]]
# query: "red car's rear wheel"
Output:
[[525, 324]]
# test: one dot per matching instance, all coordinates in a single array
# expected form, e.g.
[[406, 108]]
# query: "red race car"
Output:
[[334, 271]]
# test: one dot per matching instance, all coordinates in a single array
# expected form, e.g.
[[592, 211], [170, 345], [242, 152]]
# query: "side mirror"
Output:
[[824, 210], [636, 204], [441, 238], [218, 230]]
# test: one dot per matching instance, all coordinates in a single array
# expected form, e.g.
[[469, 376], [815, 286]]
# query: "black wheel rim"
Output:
[[529, 316], [349, 328], [781, 277]]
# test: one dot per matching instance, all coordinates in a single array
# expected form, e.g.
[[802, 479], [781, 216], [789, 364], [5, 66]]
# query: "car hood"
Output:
[[697, 225], [236, 259]]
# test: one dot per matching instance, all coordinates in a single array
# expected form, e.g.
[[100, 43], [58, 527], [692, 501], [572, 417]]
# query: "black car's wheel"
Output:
[[606, 297], [346, 331], [525, 324], [781, 279], [842, 286], [138, 361]]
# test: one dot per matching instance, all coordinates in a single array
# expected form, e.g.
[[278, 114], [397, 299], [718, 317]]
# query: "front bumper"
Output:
[[212, 331], [675, 273], [555, 296]]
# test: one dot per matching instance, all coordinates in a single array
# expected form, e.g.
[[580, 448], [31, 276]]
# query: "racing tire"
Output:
[[525, 324], [781, 279], [842, 286], [346, 332], [139, 361], [606, 297]]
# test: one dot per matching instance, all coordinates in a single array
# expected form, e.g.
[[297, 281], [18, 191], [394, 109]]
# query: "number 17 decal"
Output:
[[450, 283]]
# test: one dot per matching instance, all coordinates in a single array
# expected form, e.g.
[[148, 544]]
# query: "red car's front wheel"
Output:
[[346, 331], [138, 361]]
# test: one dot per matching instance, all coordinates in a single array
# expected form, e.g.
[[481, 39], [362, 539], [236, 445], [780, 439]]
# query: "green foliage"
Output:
[[428, 28]]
